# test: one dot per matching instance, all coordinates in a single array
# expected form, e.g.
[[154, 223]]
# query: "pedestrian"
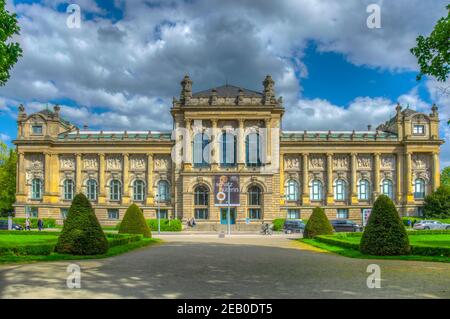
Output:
[[193, 222], [27, 224], [409, 223], [40, 224]]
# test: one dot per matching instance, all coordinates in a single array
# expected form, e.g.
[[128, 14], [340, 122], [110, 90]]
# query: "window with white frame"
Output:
[[253, 149], [200, 148], [227, 149], [340, 190], [316, 190], [291, 190], [91, 189], [113, 213], [69, 189], [36, 129], [342, 213], [115, 190], [163, 191], [293, 213], [36, 188], [419, 188], [363, 189], [138, 190], [387, 188], [419, 129]]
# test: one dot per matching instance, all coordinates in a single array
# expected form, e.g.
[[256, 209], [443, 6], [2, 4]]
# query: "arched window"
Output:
[[291, 190], [201, 201], [253, 150], [91, 189], [163, 191], [69, 187], [316, 190], [36, 188], [115, 190], [227, 149], [387, 188], [201, 151], [419, 188], [254, 201], [340, 189], [363, 189], [138, 190]]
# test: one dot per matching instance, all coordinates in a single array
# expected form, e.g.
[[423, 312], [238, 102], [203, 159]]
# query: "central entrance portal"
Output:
[[223, 215]]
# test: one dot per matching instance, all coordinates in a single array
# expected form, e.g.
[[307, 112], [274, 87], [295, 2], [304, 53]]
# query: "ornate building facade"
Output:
[[232, 132]]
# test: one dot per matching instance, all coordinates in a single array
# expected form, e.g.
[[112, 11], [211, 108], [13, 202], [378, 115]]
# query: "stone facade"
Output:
[[225, 130]]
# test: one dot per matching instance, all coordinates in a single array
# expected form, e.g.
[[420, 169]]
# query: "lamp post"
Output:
[[228, 211], [159, 214]]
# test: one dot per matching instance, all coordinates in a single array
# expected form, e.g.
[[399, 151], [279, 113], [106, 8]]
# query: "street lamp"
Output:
[[157, 196]]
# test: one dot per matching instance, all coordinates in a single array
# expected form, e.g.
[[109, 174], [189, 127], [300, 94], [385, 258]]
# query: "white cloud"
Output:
[[4, 137]]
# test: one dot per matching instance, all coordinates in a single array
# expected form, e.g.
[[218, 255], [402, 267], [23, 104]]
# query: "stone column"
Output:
[[101, 179], [215, 145], [241, 142], [436, 171], [330, 195], [47, 177], [354, 191], [150, 196], [21, 178], [188, 144], [282, 198], [408, 181], [399, 173], [305, 184], [376, 175], [78, 173], [268, 136], [126, 182]]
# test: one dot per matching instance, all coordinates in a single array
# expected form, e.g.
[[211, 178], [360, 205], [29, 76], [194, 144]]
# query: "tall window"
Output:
[[91, 189], [228, 149], [201, 201], [138, 190], [36, 188], [163, 191], [115, 190], [419, 188], [253, 149], [363, 189], [201, 153], [316, 190], [254, 200], [340, 189], [291, 190], [387, 188], [69, 187]]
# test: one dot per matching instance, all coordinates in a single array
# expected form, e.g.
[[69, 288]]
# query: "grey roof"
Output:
[[227, 90]]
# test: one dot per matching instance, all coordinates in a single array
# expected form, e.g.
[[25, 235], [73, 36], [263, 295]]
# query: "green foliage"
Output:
[[8, 160], [278, 224], [82, 233], [437, 204], [48, 222], [385, 234], [318, 224], [172, 225], [433, 52], [134, 222], [9, 52], [445, 177], [115, 240]]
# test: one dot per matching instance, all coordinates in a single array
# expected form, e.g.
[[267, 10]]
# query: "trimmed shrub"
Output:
[[385, 234], [82, 233], [278, 224], [121, 239], [171, 226], [134, 222], [437, 204], [318, 224]]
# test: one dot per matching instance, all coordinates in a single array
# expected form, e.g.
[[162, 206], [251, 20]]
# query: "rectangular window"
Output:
[[293, 214], [31, 212], [113, 213], [201, 213], [163, 214], [64, 212], [419, 129], [254, 213], [36, 129], [342, 213], [420, 211]]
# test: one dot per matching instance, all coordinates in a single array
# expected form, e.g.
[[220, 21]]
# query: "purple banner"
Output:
[[221, 185]]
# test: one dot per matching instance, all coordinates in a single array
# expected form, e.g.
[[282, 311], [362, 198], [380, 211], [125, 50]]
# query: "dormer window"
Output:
[[36, 129], [419, 129]]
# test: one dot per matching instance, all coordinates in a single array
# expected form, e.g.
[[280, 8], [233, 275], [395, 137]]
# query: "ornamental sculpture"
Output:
[[364, 162], [67, 162], [114, 163], [316, 162], [340, 162], [387, 162], [90, 162]]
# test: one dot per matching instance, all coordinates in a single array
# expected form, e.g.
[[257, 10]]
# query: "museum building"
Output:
[[226, 149]]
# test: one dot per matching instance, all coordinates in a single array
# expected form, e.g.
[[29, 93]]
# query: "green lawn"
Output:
[[438, 240], [7, 240]]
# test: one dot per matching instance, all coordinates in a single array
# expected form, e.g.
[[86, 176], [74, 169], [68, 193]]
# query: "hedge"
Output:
[[48, 222], [175, 225], [121, 239], [32, 232], [36, 249], [278, 224], [337, 242]]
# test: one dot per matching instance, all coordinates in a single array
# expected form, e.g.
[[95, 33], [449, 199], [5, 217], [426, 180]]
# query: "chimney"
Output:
[[369, 127]]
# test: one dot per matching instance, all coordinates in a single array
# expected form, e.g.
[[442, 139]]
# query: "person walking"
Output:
[[27, 224], [40, 224]]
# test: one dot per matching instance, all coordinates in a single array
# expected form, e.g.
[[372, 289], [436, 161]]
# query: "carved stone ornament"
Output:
[[90, 162], [292, 162], [138, 162], [316, 161], [36, 162], [340, 162], [420, 161], [162, 162], [388, 162], [114, 162], [364, 162], [67, 162], [29, 176]]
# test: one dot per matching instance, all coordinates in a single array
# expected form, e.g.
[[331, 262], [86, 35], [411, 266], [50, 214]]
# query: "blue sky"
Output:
[[122, 67]]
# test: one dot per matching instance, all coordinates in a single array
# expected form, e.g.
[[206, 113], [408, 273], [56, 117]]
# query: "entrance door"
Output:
[[223, 215]]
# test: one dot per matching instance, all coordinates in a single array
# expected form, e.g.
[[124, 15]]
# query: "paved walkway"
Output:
[[243, 266]]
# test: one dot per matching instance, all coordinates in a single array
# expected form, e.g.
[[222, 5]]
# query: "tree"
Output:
[[433, 52], [318, 224], [82, 233], [9, 52], [437, 204], [385, 234], [8, 160], [134, 222], [445, 176]]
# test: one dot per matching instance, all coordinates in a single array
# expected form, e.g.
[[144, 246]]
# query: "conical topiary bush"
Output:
[[82, 233], [134, 222], [318, 224], [385, 234]]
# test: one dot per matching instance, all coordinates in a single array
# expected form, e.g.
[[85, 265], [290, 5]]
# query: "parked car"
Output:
[[430, 224], [293, 226], [4, 225], [345, 225]]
